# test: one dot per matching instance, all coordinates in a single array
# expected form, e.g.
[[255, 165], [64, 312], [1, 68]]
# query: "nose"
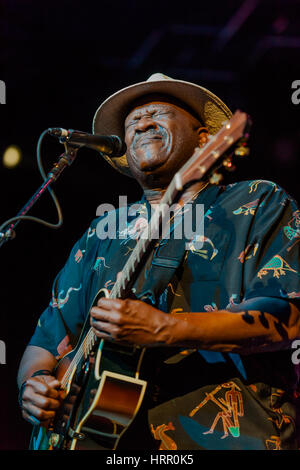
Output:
[[145, 123]]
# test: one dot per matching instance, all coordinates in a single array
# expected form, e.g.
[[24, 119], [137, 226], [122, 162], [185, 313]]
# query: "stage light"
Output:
[[12, 156]]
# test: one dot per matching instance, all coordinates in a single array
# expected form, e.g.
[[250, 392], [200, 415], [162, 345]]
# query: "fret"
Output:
[[129, 266], [118, 291], [178, 182], [125, 272], [173, 189], [115, 293]]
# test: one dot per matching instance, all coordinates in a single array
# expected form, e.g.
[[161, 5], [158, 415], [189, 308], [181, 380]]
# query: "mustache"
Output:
[[149, 133]]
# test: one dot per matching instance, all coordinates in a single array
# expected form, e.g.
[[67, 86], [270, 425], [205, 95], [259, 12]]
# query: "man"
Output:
[[221, 330]]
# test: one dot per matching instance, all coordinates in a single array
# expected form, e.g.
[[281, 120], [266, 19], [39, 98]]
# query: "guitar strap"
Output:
[[170, 252]]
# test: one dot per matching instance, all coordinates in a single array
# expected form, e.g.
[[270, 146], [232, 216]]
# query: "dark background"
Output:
[[59, 60]]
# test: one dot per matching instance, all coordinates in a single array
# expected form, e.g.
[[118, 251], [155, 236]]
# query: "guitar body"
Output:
[[102, 394]]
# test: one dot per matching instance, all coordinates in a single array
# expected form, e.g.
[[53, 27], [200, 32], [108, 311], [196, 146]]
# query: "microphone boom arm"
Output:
[[66, 159]]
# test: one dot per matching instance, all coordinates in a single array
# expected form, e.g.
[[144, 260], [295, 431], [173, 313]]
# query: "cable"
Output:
[[52, 194]]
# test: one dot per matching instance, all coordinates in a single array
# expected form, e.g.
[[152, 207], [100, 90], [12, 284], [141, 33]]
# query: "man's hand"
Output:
[[41, 397], [131, 322]]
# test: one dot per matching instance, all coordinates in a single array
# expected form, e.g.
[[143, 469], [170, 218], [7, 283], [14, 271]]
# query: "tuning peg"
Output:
[[227, 162], [215, 178], [242, 151]]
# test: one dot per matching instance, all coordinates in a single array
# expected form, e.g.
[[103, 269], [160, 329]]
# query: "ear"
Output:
[[203, 135]]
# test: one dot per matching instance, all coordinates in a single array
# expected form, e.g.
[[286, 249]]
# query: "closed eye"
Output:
[[156, 114], [162, 113]]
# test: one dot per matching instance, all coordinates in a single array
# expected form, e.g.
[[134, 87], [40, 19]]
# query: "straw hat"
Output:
[[109, 117]]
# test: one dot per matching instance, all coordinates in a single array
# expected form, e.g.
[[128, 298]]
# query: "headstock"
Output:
[[217, 152]]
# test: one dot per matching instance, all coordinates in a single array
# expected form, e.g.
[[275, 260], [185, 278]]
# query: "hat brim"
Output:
[[110, 116]]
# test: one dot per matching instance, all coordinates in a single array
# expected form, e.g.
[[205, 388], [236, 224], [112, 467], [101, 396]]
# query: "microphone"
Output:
[[109, 144]]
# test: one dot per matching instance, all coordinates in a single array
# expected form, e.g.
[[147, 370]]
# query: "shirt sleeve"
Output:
[[60, 323], [271, 268]]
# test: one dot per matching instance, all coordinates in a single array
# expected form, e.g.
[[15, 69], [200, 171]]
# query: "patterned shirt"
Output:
[[202, 399]]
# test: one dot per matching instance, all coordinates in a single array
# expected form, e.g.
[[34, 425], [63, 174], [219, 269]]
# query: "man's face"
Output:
[[160, 138]]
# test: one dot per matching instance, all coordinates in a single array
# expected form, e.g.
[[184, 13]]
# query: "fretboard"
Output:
[[134, 263]]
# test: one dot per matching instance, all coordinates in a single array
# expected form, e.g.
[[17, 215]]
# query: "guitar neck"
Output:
[[134, 263]]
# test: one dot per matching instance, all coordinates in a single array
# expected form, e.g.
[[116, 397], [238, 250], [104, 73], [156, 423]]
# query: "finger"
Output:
[[115, 337], [47, 380], [31, 418], [55, 386], [38, 413], [50, 380], [98, 314], [42, 388], [99, 317], [102, 334], [101, 326], [110, 304], [41, 401]]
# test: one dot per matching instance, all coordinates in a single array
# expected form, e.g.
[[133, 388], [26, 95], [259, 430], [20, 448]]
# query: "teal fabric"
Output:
[[249, 249]]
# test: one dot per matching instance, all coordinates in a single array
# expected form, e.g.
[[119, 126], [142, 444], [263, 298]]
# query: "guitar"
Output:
[[102, 388]]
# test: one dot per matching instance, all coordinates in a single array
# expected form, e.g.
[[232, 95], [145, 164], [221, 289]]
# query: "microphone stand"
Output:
[[65, 159]]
